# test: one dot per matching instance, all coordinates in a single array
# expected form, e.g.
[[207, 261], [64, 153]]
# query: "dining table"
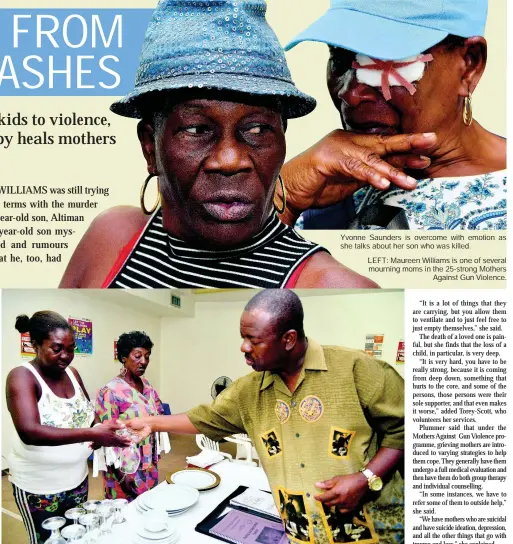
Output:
[[232, 474]]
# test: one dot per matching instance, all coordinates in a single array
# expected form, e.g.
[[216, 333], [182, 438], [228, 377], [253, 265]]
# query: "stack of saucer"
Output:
[[174, 499], [155, 530]]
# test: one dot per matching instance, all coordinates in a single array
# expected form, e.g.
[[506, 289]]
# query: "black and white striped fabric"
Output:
[[161, 261], [20, 498]]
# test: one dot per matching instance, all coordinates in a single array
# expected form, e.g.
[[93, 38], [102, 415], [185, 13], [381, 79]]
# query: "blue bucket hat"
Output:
[[218, 44], [395, 29]]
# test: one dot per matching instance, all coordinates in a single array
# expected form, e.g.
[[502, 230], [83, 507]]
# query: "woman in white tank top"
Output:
[[53, 416]]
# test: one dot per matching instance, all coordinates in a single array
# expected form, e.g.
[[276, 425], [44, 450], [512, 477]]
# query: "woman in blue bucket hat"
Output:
[[403, 67], [213, 92]]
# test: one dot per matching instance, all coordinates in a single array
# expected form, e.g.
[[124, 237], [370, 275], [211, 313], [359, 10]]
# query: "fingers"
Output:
[[325, 498], [145, 432], [134, 424], [118, 424], [329, 504], [326, 484], [361, 170], [389, 173], [415, 162], [345, 510], [399, 143], [371, 168]]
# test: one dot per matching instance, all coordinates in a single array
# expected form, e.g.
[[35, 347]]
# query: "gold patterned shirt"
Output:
[[346, 404]]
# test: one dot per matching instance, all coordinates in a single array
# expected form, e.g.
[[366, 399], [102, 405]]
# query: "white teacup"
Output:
[[155, 521]]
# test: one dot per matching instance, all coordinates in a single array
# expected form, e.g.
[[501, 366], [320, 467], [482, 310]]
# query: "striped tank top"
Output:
[[154, 259]]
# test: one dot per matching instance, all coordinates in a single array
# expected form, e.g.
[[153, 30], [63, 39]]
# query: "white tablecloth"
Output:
[[232, 475]]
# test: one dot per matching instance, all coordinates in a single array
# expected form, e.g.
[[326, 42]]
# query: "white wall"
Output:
[[198, 350], [109, 321]]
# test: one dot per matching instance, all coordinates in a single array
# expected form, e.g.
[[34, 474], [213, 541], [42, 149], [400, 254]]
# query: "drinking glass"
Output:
[[119, 504], [56, 539], [90, 522], [73, 532], [91, 506], [74, 514], [53, 525], [129, 457], [105, 510]]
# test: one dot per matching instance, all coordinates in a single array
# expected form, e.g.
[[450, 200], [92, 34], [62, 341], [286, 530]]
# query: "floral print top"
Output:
[[464, 203], [119, 400], [74, 413]]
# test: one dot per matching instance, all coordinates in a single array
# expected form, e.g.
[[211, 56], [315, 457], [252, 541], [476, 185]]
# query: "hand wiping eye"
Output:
[[387, 73]]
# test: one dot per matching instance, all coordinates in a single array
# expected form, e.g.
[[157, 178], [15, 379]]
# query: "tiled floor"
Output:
[[13, 531]]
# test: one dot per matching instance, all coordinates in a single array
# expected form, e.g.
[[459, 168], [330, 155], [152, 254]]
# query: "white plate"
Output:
[[171, 540], [172, 498], [177, 513], [144, 509], [155, 537], [199, 479], [174, 513]]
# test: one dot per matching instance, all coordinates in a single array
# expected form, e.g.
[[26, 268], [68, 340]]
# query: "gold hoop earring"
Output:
[[283, 197], [143, 191], [467, 110]]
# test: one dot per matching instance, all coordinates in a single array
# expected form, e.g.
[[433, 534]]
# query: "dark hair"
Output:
[[41, 324], [131, 340], [284, 306]]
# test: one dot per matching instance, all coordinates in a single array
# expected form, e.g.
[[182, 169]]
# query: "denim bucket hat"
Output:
[[218, 44], [395, 29]]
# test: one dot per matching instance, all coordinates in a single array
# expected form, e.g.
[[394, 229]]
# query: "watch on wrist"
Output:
[[375, 482]]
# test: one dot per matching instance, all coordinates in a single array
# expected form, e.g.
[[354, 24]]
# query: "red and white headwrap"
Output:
[[390, 73]]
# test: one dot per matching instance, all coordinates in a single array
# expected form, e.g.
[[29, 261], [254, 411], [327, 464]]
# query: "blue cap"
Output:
[[218, 44], [395, 29]]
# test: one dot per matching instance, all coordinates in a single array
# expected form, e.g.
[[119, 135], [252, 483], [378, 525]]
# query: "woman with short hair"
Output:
[[397, 68], [126, 396]]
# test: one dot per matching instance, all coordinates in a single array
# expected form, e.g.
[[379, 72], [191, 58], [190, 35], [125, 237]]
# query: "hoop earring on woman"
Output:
[[123, 371], [143, 190], [467, 110], [283, 197]]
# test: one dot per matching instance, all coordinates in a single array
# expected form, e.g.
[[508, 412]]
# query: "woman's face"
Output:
[[56, 352], [217, 163], [435, 106], [137, 361]]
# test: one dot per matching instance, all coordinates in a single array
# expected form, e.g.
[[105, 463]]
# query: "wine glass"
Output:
[[56, 539], [119, 504], [90, 522], [73, 532], [53, 525], [74, 514], [104, 510], [91, 506]]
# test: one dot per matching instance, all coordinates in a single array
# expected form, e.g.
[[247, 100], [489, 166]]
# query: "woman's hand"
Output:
[[140, 426], [342, 162], [106, 435]]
